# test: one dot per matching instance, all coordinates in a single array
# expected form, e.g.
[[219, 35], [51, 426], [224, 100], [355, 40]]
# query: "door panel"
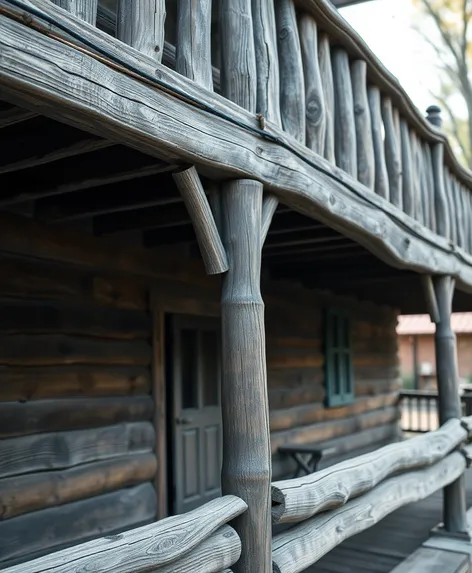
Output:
[[197, 430]]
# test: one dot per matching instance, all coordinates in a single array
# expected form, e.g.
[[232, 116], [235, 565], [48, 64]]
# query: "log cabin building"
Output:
[[209, 224]]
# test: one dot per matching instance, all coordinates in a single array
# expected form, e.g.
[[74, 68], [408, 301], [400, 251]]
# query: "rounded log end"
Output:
[[278, 504]]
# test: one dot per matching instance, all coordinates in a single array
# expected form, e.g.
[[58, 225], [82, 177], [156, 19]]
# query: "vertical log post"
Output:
[[193, 49], [443, 226], [246, 439], [365, 150], [345, 127], [455, 519], [84, 9], [381, 175], [326, 71], [292, 86], [392, 154], [314, 98], [140, 24], [430, 183], [265, 44], [407, 179]]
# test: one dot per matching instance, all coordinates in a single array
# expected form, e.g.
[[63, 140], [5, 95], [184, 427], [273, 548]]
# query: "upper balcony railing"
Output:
[[303, 70]]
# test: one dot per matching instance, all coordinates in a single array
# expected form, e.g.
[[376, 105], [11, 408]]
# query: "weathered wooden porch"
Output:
[[272, 139]]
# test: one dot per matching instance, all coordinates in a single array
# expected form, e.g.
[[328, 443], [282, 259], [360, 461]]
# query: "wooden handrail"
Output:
[[173, 545], [298, 499]]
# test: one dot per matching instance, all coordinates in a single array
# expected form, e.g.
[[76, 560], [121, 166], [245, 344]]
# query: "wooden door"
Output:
[[197, 429]]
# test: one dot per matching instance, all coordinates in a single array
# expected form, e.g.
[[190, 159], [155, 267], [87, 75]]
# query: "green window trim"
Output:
[[339, 378]]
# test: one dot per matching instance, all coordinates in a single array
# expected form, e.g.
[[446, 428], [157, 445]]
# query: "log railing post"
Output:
[[84, 9], [246, 439], [455, 519]]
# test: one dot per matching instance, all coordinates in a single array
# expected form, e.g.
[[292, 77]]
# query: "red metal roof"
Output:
[[461, 322]]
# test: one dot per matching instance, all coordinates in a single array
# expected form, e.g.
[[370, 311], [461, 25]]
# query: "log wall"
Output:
[[295, 362], [77, 455]]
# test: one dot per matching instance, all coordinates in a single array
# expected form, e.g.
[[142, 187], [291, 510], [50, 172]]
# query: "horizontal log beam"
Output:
[[217, 146], [299, 499], [301, 546], [157, 545], [14, 115]]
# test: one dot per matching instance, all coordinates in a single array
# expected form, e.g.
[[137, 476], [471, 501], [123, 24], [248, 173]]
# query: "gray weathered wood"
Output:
[[193, 44], [430, 295], [33, 492], [265, 42], [15, 115], [238, 74], [140, 24], [269, 206], [84, 9], [456, 215], [158, 545], [223, 148], [314, 97], [246, 440], [392, 154], [58, 450], [366, 168], [440, 200], [466, 216], [430, 185], [208, 237], [428, 560], [297, 548], [38, 532], [345, 127], [415, 175], [381, 175], [407, 170], [298, 499], [326, 72], [292, 88], [449, 402], [426, 197]]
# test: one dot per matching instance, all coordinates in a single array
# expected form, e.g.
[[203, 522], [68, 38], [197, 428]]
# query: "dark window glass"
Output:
[[338, 366]]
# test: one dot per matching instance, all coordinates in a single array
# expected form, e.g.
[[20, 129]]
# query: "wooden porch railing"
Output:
[[199, 540], [334, 504], [419, 410], [305, 72]]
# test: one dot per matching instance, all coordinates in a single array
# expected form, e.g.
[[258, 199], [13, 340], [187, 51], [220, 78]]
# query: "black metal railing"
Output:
[[419, 410]]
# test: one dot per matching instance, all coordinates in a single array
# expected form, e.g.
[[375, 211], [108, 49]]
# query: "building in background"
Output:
[[416, 349]]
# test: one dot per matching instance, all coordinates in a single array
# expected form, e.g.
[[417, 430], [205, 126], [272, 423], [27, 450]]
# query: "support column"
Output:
[[246, 438], [455, 520]]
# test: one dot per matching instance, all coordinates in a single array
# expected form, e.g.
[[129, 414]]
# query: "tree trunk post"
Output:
[[455, 519], [246, 439]]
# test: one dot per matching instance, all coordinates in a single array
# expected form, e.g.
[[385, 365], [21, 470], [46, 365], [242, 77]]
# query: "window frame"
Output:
[[338, 358]]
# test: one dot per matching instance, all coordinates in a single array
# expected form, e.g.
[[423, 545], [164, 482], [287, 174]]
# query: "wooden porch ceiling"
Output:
[[61, 175]]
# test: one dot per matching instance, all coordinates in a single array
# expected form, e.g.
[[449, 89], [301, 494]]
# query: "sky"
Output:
[[387, 27]]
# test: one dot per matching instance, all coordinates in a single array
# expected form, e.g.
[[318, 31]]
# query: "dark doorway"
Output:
[[193, 380]]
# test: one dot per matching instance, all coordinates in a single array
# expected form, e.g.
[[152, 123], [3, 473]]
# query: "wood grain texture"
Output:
[[418, 199], [381, 175], [40, 416], [314, 96], [304, 544], [41, 383], [238, 54], [366, 167], [62, 450], [246, 468], [52, 349], [326, 72], [84, 9], [292, 87], [41, 531], [157, 545], [299, 187], [408, 201], [345, 127], [455, 217], [140, 24], [392, 153], [193, 44], [333, 428], [440, 200], [208, 237], [37, 317], [33, 492], [430, 184], [265, 44], [269, 206], [298, 499]]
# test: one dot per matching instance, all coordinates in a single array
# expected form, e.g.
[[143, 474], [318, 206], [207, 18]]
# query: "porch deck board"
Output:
[[382, 547]]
